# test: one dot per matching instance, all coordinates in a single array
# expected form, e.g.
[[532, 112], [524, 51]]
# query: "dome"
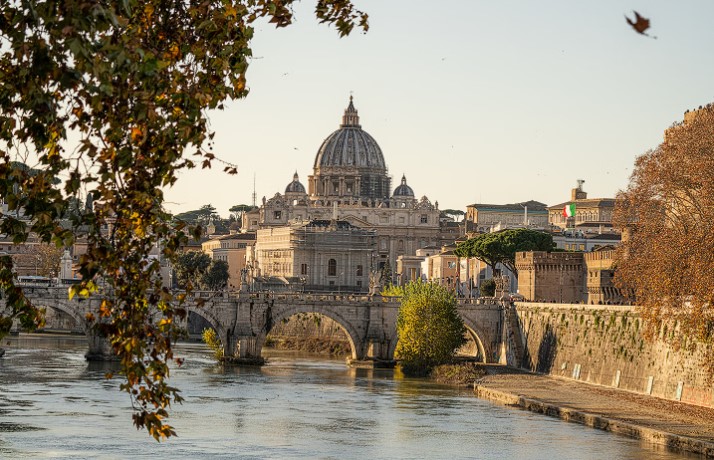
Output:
[[403, 189], [295, 186], [350, 146]]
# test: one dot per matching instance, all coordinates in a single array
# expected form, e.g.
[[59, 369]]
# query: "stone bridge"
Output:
[[243, 320]]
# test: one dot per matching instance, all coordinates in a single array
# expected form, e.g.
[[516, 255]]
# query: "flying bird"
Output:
[[640, 24]]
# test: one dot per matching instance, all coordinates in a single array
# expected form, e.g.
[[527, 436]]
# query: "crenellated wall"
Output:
[[604, 344]]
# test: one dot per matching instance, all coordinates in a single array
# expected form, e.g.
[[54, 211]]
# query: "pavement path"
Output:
[[676, 424]]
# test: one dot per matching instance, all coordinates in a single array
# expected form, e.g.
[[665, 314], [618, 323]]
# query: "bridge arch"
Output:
[[217, 326], [69, 308], [280, 314], [473, 330], [476, 336]]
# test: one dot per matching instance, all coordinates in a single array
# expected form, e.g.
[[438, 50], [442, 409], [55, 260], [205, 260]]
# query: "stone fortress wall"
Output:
[[605, 345]]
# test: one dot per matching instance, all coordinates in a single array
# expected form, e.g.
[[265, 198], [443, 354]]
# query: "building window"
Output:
[[424, 219], [582, 247], [332, 267], [335, 187], [359, 270], [277, 214], [303, 269], [359, 283]]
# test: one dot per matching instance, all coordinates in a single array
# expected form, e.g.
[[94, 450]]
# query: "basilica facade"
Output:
[[350, 183]]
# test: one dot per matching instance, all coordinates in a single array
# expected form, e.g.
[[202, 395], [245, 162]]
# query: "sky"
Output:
[[474, 101]]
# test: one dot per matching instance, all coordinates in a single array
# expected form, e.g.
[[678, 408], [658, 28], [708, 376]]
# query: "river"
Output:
[[54, 404]]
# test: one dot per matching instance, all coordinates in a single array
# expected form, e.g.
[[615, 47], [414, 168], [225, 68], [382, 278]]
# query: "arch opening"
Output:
[[63, 317], [310, 333], [473, 348], [284, 316], [203, 319]]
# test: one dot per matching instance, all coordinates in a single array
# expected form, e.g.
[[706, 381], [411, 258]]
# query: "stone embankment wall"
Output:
[[605, 345]]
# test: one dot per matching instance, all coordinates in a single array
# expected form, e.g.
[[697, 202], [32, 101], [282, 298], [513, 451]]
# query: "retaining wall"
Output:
[[604, 344]]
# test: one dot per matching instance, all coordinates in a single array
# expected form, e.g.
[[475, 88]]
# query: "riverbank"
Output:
[[669, 423]]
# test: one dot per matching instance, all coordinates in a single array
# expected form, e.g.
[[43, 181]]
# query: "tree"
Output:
[[48, 260], [488, 288], [429, 327], [190, 267], [203, 215], [501, 247], [238, 210], [133, 81], [216, 277], [197, 270], [665, 260], [455, 214], [386, 276]]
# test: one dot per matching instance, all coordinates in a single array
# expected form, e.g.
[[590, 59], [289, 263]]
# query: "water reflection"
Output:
[[55, 404]]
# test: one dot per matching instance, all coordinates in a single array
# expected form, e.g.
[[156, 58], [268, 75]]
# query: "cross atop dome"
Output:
[[350, 118]]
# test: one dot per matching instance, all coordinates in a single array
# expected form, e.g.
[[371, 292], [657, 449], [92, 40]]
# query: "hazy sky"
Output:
[[475, 101]]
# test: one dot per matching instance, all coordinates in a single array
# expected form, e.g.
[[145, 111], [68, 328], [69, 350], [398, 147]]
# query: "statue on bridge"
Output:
[[244, 279], [375, 282], [503, 286]]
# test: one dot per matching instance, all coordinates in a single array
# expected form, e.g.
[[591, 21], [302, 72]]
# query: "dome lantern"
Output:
[[350, 118]]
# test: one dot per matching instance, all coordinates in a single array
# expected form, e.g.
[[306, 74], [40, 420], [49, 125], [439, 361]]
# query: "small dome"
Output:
[[403, 189], [295, 186]]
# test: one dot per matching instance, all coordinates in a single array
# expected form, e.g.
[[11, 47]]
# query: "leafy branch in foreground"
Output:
[[131, 83]]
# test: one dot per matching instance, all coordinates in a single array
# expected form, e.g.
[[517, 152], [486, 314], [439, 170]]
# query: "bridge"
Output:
[[243, 320]]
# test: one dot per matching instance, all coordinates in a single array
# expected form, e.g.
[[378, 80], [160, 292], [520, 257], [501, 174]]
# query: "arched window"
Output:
[[332, 267]]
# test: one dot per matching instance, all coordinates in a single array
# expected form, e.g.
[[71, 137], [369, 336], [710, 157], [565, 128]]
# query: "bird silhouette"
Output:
[[640, 24]]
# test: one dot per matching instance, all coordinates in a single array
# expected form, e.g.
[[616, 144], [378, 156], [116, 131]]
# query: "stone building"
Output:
[[600, 283], [232, 250], [586, 239], [589, 212], [483, 218], [568, 277], [315, 255], [350, 183], [412, 268], [551, 276]]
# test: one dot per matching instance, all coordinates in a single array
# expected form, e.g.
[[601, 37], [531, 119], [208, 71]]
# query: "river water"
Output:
[[53, 404]]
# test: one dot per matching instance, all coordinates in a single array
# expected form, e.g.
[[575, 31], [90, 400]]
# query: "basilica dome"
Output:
[[350, 147]]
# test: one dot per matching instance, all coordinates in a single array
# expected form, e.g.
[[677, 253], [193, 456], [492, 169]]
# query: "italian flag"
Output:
[[569, 210]]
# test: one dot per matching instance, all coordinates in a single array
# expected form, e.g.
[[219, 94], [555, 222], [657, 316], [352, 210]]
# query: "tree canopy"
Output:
[[197, 270], [501, 247], [134, 82], [203, 215], [455, 214], [666, 257], [429, 327]]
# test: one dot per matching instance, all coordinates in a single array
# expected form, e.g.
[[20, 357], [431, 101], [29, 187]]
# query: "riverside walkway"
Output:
[[664, 422]]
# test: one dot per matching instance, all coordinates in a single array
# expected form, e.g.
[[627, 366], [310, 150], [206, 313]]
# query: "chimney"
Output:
[[578, 193]]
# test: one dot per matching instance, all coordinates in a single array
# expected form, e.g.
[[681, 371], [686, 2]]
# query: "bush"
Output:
[[211, 339], [429, 328], [488, 288]]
